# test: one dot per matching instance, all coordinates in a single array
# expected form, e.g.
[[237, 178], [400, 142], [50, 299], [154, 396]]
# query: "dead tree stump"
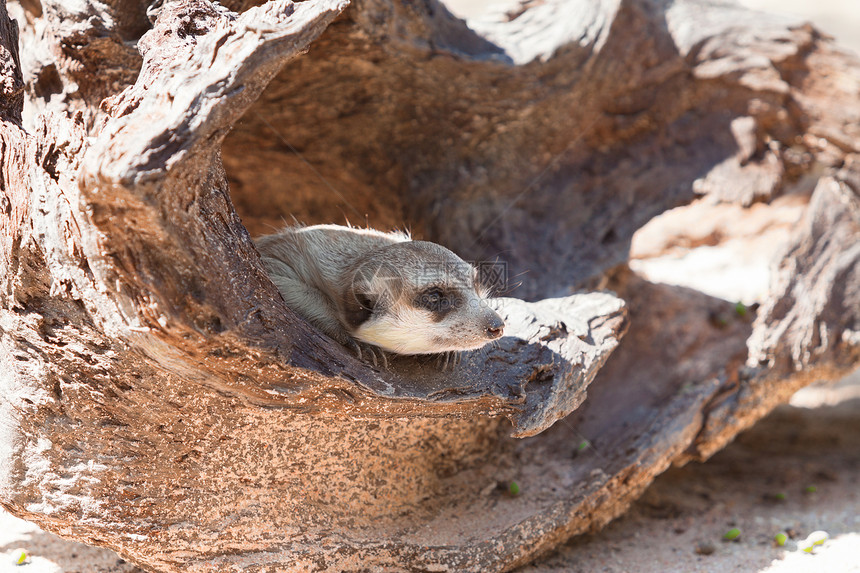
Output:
[[160, 399]]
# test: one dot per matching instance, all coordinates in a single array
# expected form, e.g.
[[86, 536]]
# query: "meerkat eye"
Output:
[[432, 299], [364, 301]]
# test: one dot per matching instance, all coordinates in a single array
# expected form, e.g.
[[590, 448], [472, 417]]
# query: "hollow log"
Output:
[[160, 399]]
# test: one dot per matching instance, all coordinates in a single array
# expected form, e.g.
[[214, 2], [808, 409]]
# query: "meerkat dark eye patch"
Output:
[[430, 299], [437, 301], [358, 310]]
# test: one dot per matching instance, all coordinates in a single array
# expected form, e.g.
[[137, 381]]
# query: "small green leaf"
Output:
[[514, 488], [732, 534], [780, 539]]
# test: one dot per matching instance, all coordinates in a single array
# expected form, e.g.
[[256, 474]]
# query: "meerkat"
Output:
[[381, 292]]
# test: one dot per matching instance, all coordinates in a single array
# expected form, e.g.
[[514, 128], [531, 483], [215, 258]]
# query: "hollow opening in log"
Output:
[[353, 132]]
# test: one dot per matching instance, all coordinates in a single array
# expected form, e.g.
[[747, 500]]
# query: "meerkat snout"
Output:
[[495, 327], [381, 289]]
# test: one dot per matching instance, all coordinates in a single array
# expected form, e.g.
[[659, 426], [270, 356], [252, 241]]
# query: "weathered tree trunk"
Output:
[[158, 397]]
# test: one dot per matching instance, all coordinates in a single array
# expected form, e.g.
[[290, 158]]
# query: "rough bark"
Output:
[[160, 399]]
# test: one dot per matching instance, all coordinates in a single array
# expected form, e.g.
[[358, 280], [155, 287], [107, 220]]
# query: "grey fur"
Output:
[[362, 286]]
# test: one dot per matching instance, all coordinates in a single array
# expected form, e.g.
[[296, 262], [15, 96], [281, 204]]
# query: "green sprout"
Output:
[[780, 539], [514, 488], [732, 534]]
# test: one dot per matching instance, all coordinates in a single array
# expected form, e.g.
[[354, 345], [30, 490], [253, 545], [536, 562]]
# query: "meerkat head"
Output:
[[417, 297]]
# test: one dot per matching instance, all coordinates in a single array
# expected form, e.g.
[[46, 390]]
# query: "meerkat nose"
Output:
[[496, 327]]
